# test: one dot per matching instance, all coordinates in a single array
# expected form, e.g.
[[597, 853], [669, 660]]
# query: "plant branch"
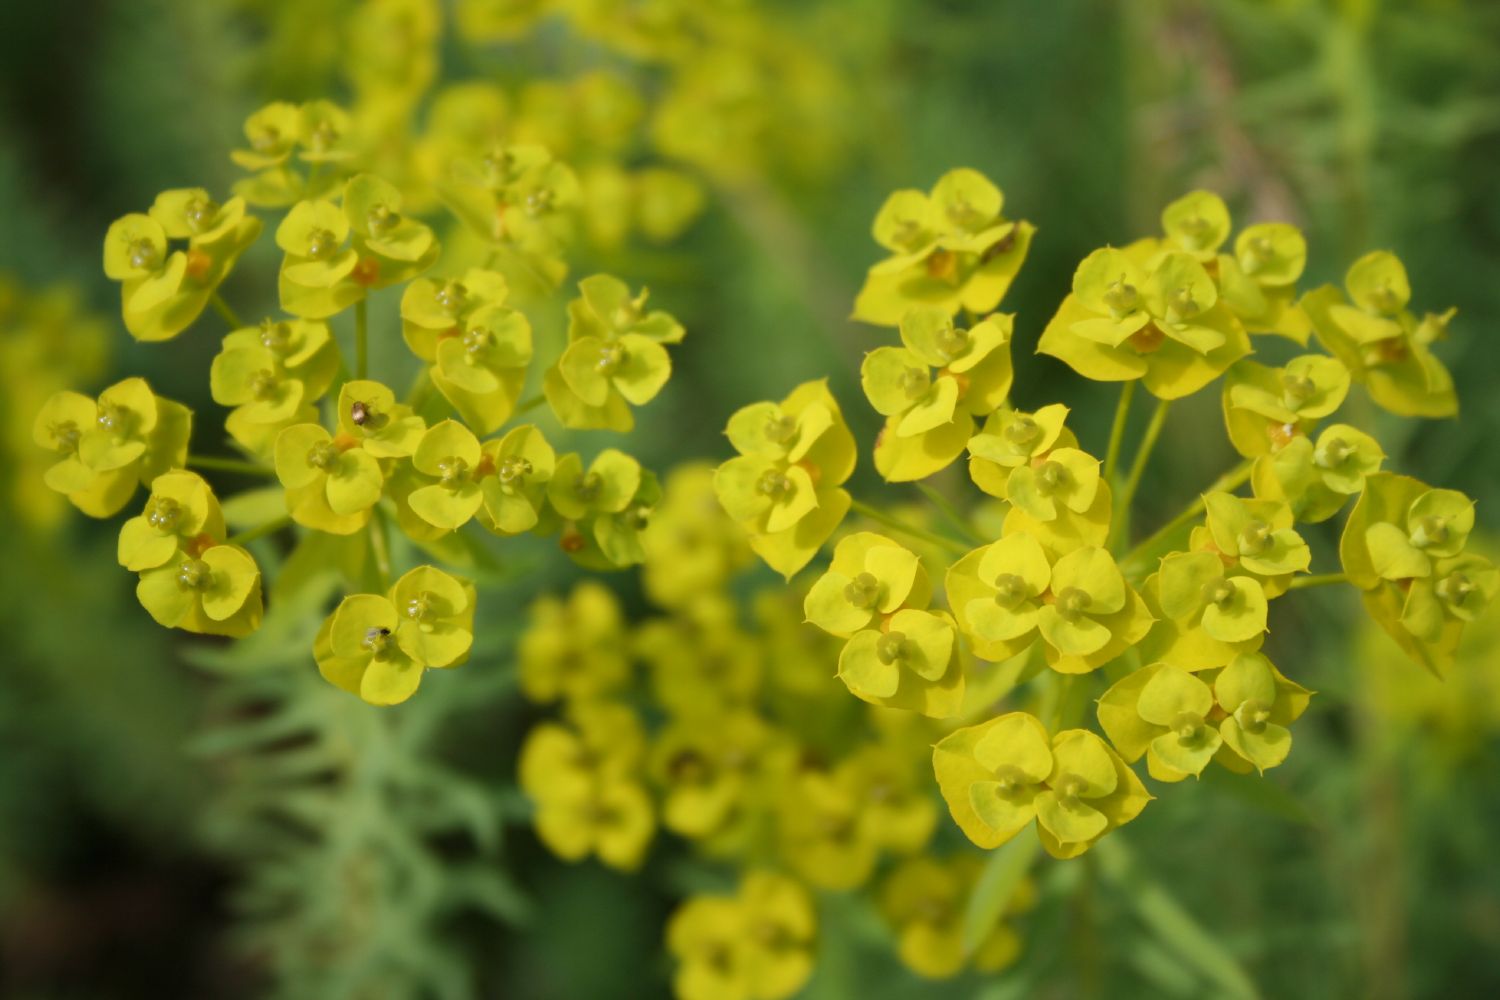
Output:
[[259, 531], [952, 514], [1117, 431], [1229, 481], [222, 308], [896, 524], [1317, 580], [230, 465], [361, 338], [1138, 467]]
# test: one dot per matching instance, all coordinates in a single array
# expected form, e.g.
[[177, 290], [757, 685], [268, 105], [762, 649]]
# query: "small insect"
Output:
[[359, 413]]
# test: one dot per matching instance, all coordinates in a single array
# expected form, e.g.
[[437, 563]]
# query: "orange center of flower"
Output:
[[1280, 434], [200, 544], [366, 272], [199, 263], [1147, 339]]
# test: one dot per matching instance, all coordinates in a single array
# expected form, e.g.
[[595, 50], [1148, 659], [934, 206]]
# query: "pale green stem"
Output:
[[952, 513], [230, 465], [1228, 482], [1138, 467], [361, 338], [1317, 580], [222, 308], [421, 389], [259, 531], [896, 524], [527, 405], [1117, 431], [380, 547]]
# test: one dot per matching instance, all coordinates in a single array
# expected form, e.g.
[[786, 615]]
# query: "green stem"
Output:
[[1317, 580], [421, 389], [1117, 431], [1228, 482], [361, 338], [222, 308], [230, 465], [527, 405], [896, 524], [1138, 467], [259, 531], [380, 547], [952, 513], [1173, 926]]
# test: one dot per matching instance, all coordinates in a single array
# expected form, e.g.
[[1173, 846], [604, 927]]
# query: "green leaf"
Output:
[[1174, 927], [1003, 872]]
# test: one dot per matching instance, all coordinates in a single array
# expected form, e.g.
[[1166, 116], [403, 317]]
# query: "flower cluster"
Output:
[[1057, 594], [46, 341], [731, 736], [354, 459]]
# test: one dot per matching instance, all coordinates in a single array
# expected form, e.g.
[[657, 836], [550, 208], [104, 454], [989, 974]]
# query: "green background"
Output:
[[1365, 867]]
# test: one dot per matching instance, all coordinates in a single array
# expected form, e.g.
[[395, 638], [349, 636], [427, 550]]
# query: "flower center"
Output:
[[1181, 303], [951, 341], [421, 608], [1188, 726], [1256, 537], [915, 382], [265, 139], [891, 647], [1195, 232], [200, 214], [194, 574], [478, 340], [452, 471], [513, 470], [1011, 780], [321, 243], [1070, 788], [1385, 299], [863, 591], [1259, 252], [781, 429], [323, 136], [323, 455], [1332, 453], [1430, 530], [1072, 603], [1122, 298], [163, 513], [377, 640], [450, 297], [539, 201], [144, 256], [276, 337], [1253, 716], [382, 219], [611, 357], [264, 383], [587, 486], [66, 434], [1023, 430], [1010, 590], [1050, 475], [1219, 593], [637, 517], [114, 418], [1296, 389], [774, 484], [1454, 589]]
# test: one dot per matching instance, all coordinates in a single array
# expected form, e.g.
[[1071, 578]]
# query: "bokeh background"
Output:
[[132, 843]]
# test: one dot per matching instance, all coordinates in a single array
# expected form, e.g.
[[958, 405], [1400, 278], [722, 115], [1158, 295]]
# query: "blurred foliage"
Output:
[[180, 819]]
